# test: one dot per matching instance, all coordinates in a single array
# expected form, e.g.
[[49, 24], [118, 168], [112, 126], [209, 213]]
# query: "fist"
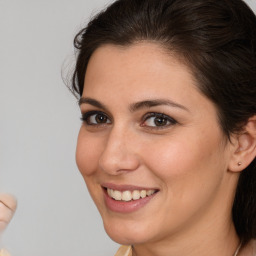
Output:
[[8, 205]]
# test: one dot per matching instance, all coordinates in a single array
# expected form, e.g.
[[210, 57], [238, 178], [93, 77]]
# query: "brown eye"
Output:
[[158, 120], [92, 118], [100, 119]]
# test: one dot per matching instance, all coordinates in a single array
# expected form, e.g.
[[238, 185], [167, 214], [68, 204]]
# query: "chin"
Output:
[[126, 238], [128, 232]]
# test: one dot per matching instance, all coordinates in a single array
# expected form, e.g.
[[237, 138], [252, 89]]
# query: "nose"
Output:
[[119, 154]]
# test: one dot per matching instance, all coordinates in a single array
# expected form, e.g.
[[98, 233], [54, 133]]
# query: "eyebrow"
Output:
[[153, 103], [135, 106], [92, 102]]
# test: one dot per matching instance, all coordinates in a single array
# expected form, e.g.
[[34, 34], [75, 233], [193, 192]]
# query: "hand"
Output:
[[8, 205]]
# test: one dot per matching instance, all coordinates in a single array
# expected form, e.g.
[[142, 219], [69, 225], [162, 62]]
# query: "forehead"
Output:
[[143, 65]]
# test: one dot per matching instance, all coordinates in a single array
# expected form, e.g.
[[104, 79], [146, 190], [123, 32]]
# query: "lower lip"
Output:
[[126, 207]]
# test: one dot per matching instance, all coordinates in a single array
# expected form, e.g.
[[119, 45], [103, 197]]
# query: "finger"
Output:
[[9, 201], [5, 216]]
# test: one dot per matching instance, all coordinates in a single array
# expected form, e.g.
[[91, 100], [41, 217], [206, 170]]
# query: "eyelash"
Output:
[[168, 121]]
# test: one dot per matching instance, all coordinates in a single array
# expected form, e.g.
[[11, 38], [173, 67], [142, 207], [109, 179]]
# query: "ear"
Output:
[[244, 147]]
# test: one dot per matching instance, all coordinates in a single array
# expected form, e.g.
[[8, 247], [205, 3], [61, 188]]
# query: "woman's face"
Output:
[[150, 148]]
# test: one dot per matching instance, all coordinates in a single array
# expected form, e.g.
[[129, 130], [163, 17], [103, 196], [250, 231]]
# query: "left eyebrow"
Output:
[[157, 102]]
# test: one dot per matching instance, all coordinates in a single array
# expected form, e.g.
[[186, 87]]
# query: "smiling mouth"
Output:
[[128, 195]]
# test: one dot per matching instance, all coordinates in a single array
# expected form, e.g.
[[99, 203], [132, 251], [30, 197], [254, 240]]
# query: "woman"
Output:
[[167, 91], [7, 208]]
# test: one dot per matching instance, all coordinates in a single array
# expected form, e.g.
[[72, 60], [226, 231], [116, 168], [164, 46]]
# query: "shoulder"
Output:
[[124, 250]]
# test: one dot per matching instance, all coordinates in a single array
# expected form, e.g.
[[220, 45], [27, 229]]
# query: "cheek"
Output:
[[189, 172], [88, 152], [186, 164]]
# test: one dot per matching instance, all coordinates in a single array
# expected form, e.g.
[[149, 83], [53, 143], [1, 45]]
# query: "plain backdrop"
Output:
[[39, 123]]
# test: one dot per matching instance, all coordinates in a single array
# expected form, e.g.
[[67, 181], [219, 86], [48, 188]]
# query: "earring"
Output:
[[239, 163]]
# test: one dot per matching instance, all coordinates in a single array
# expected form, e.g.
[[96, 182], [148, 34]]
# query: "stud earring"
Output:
[[239, 163]]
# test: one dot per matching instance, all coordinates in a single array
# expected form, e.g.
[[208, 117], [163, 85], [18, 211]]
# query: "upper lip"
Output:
[[126, 187]]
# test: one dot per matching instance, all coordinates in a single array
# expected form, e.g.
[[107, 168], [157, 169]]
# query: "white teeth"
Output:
[[136, 195], [117, 195], [150, 192], [129, 195], [143, 193]]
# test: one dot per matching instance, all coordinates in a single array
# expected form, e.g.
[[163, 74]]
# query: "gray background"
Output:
[[39, 122]]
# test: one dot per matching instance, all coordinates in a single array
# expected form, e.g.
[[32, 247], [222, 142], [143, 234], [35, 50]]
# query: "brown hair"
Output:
[[217, 39]]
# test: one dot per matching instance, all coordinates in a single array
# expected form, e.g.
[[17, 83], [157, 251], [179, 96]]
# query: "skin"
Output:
[[8, 205], [190, 162]]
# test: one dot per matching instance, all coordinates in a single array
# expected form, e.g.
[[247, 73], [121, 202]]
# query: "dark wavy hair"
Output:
[[216, 39]]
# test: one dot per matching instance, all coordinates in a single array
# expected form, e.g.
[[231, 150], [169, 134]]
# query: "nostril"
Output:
[[118, 164]]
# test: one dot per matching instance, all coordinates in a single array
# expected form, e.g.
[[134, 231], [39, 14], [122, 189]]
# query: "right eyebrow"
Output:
[[92, 102]]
